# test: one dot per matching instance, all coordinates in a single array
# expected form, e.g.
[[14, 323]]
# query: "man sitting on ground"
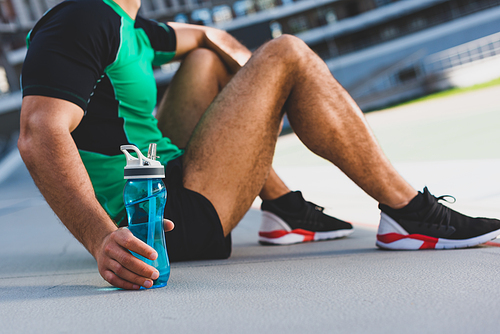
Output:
[[88, 87]]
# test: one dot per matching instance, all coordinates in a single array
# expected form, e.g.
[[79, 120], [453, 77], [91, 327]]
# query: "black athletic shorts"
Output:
[[198, 231]]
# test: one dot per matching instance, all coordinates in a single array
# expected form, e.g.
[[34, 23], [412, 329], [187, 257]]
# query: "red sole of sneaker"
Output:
[[396, 241]]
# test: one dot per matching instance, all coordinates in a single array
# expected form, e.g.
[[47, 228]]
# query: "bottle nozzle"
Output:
[[152, 151]]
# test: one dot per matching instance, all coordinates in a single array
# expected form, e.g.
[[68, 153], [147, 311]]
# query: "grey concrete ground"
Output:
[[50, 284]]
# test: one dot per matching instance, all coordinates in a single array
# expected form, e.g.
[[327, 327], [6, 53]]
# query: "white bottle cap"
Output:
[[142, 167]]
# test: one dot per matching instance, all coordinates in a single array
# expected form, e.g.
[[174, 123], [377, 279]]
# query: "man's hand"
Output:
[[122, 269], [191, 37], [45, 141]]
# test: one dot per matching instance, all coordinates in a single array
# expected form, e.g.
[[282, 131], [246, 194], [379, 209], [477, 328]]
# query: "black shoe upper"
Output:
[[436, 220], [306, 215]]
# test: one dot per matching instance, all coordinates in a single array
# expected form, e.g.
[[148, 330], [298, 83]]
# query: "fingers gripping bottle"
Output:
[[145, 196]]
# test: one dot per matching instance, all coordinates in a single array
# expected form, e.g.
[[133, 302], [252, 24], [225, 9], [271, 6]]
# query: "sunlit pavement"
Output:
[[50, 284]]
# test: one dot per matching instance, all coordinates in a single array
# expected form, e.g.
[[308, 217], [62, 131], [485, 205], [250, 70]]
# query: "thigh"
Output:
[[199, 79], [229, 155]]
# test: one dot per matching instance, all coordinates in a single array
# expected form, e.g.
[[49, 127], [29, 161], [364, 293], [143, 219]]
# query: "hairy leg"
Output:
[[229, 155], [200, 78]]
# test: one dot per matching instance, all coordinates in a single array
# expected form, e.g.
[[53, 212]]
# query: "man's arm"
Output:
[[190, 37], [51, 156]]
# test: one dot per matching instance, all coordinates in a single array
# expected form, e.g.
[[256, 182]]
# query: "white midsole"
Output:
[[293, 238], [271, 222]]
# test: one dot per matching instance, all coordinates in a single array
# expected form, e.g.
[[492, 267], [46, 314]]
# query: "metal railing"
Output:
[[26, 13], [463, 54], [417, 69], [161, 8]]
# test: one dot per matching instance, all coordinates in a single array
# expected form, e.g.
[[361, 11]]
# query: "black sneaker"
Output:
[[302, 222], [435, 226]]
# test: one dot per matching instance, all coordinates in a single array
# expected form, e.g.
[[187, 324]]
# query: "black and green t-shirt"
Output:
[[91, 53]]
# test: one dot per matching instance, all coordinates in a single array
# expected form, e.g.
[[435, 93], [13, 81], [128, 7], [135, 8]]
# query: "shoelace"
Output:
[[441, 212], [318, 208]]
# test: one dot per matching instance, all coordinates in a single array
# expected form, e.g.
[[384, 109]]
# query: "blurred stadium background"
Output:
[[382, 51]]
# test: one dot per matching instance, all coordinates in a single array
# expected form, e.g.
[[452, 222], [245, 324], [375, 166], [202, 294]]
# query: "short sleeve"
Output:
[[162, 38], [68, 50]]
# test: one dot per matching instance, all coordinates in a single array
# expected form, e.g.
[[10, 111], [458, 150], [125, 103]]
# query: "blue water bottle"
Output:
[[145, 196]]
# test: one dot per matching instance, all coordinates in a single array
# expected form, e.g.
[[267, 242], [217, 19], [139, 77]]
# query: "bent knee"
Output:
[[290, 41], [202, 54], [206, 63], [288, 47], [204, 59]]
